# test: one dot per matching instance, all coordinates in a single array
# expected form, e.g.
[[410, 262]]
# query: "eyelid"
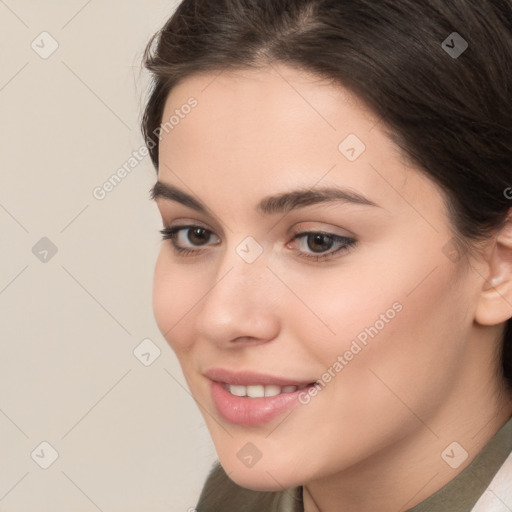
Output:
[[171, 217], [329, 230], [186, 222]]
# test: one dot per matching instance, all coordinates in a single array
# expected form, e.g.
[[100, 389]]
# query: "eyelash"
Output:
[[347, 243]]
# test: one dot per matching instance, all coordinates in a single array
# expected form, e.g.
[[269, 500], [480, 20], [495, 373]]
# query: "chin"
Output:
[[261, 477], [261, 483]]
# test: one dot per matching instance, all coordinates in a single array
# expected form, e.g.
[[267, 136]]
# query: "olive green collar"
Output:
[[462, 492]]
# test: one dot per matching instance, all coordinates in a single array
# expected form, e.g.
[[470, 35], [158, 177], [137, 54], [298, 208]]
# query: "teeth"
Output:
[[256, 391], [238, 390], [259, 390], [272, 390]]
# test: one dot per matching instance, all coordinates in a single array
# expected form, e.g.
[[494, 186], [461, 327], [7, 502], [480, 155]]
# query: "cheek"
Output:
[[174, 297], [403, 345], [399, 372], [401, 313]]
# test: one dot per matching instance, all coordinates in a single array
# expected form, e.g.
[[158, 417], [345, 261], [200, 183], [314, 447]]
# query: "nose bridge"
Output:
[[244, 267], [239, 300], [242, 280]]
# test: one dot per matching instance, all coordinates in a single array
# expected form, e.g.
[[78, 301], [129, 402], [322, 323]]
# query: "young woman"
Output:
[[335, 185]]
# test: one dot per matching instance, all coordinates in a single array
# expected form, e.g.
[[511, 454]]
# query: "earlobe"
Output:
[[495, 281], [495, 302]]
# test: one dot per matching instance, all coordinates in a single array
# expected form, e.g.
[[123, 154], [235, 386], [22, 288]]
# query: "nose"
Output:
[[240, 305]]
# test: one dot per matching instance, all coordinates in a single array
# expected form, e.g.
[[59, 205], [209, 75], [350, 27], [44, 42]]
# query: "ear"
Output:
[[495, 303]]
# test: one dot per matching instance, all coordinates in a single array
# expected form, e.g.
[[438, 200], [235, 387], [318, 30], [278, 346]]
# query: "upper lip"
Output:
[[250, 378]]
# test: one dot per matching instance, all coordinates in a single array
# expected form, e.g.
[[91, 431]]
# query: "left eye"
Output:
[[317, 242]]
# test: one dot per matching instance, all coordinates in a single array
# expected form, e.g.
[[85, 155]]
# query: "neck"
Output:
[[404, 474]]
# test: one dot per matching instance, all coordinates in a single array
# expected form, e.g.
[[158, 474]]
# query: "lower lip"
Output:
[[252, 411]]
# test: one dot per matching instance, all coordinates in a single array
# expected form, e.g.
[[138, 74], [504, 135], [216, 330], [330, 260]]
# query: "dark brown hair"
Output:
[[450, 114]]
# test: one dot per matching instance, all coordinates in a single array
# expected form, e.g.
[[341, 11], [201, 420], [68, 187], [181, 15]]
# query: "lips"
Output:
[[249, 378], [250, 398]]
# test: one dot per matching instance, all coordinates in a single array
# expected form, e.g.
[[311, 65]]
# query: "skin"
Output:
[[372, 438]]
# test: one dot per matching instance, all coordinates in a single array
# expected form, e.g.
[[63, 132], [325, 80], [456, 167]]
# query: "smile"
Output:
[[261, 390]]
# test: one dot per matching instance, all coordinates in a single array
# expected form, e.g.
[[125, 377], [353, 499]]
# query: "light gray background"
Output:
[[129, 437]]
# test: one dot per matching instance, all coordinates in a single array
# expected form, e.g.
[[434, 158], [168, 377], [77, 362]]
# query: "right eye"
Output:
[[180, 235]]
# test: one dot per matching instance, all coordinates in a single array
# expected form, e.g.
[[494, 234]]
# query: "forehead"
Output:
[[275, 103], [268, 129]]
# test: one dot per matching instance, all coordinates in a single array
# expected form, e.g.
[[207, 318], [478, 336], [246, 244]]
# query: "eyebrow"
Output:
[[279, 203]]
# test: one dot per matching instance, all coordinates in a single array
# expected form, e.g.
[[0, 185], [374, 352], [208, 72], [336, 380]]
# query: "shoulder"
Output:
[[221, 494], [498, 496]]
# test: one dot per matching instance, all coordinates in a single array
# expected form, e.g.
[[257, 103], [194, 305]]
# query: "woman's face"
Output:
[[383, 323]]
